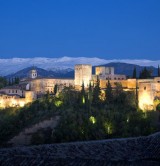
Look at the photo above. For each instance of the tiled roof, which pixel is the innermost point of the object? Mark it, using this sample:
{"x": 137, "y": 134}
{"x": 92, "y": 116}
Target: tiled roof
{"x": 127, "y": 151}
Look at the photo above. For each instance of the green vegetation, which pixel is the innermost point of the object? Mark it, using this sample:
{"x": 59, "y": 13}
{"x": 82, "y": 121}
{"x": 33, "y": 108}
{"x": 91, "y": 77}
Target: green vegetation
{"x": 14, "y": 120}
{"x": 11, "y": 81}
{"x": 145, "y": 73}
{"x": 116, "y": 116}
{"x": 134, "y": 73}
{"x": 3, "y": 82}
{"x": 84, "y": 115}
{"x": 158, "y": 71}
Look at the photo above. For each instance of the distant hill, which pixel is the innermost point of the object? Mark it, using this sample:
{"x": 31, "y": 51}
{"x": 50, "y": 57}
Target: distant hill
{"x": 120, "y": 68}
{"x": 64, "y": 73}
{"x": 127, "y": 69}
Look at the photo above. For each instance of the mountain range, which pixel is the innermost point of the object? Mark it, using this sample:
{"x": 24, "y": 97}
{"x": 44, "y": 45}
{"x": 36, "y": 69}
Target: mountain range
{"x": 13, "y": 65}
{"x": 120, "y": 68}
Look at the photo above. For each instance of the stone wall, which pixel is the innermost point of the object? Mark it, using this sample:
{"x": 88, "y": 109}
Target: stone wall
{"x": 14, "y": 101}
{"x": 43, "y": 85}
{"x": 128, "y": 151}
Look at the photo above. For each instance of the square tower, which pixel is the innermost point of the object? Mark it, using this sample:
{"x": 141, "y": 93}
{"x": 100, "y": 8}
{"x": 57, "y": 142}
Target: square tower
{"x": 102, "y": 70}
{"x": 83, "y": 74}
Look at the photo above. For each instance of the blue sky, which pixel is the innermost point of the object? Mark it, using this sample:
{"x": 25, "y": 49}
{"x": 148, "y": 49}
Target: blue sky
{"x": 110, "y": 29}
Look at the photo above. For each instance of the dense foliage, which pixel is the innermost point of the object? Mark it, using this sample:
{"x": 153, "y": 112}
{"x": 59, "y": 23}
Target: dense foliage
{"x": 84, "y": 115}
{"x": 145, "y": 73}
{"x": 116, "y": 115}
{"x": 14, "y": 120}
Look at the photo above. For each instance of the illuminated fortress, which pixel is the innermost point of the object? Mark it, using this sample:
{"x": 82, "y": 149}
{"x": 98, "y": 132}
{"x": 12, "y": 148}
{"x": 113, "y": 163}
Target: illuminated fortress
{"x": 31, "y": 88}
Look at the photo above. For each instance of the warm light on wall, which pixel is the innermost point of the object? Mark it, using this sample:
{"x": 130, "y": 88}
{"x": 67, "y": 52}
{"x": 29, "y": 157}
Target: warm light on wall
{"x": 145, "y": 101}
{"x": 21, "y": 103}
{"x": 12, "y": 103}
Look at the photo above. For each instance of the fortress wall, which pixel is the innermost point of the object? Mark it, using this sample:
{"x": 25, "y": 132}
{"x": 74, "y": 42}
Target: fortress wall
{"x": 11, "y": 101}
{"x": 44, "y": 85}
{"x": 103, "y": 83}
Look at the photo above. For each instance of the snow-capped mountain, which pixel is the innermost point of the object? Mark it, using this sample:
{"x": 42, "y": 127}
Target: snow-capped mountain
{"x": 9, "y": 66}
{"x": 120, "y": 68}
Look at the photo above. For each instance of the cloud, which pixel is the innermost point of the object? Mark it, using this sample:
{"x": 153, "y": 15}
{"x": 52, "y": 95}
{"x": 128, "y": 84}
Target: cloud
{"x": 8, "y": 66}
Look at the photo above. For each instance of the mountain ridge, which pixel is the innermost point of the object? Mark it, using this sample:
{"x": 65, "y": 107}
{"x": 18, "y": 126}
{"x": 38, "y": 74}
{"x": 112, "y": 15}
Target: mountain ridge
{"x": 13, "y": 65}
{"x": 120, "y": 68}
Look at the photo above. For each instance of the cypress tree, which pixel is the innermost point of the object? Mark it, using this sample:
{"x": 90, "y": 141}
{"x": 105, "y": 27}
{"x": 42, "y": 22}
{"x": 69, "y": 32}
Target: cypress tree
{"x": 55, "y": 89}
{"x": 108, "y": 93}
{"x": 13, "y": 81}
{"x": 158, "y": 71}
{"x": 145, "y": 73}
{"x": 89, "y": 96}
{"x": 137, "y": 102}
{"x": 96, "y": 94}
{"x": 90, "y": 92}
{"x": 83, "y": 94}
{"x": 134, "y": 73}
{"x": 9, "y": 82}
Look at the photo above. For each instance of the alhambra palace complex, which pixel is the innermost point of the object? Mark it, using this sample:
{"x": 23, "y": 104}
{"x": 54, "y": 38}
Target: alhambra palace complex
{"x": 30, "y": 88}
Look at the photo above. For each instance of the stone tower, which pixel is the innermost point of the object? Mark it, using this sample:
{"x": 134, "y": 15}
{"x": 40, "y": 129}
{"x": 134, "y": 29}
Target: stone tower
{"x": 83, "y": 74}
{"x": 102, "y": 70}
{"x": 33, "y": 73}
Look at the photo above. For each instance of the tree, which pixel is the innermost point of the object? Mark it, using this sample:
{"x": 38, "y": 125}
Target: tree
{"x": 108, "y": 93}
{"x": 134, "y": 73}
{"x": 3, "y": 82}
{"x": 55, "y": 89}
{"x": 82, "y": 96}
{"x": 145, "y": 73}
{"x": 90, "y": 92}
{"x": 118, "y": 88}
{"x": 16, "y": 80}
{"x": 137, "y": 102}
{"x": 119, "y": 95}
{"x": 96, "y": 94}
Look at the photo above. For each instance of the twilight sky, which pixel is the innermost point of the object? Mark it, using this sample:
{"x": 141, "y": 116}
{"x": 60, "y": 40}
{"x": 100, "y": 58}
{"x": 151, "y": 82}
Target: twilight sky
{"x": 109, "y": 29}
